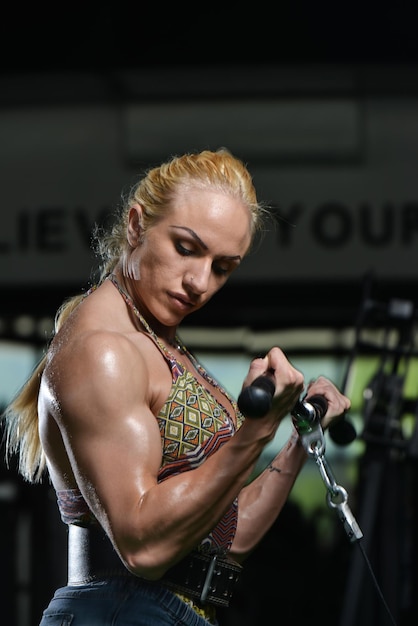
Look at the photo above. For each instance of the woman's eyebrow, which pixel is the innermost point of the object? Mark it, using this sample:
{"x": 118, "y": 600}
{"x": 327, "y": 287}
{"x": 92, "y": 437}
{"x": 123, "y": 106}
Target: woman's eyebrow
{"x": 195, "y": 236}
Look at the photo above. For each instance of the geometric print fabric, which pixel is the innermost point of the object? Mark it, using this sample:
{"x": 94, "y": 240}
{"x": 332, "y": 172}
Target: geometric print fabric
{"x": 189, "y": 418}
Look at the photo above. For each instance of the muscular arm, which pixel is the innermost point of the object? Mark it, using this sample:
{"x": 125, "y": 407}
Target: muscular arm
{"x": 262, "y": 500}
{"x": 102, "y": 401}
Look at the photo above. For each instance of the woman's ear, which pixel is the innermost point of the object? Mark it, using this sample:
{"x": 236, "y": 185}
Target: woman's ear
{"x": 134, "y": 233}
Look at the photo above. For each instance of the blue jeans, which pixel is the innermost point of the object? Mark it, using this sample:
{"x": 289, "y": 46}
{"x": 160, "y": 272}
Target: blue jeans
{"x": 119, "y": 601}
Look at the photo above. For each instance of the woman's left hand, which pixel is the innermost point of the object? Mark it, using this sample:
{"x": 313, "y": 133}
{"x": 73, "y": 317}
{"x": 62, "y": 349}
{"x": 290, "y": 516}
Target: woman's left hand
{"x": 338, "y": 403}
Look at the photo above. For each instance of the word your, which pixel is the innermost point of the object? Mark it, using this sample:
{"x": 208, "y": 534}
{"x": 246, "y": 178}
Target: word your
{"x": 333, "y": 224}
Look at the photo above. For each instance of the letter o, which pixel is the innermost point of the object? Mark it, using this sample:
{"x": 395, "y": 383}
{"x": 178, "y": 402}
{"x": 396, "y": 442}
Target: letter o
{"x": 332, "y": 225}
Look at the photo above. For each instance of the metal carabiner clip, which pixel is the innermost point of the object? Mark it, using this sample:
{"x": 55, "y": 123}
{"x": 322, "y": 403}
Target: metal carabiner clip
{"x": 313, "y": 441}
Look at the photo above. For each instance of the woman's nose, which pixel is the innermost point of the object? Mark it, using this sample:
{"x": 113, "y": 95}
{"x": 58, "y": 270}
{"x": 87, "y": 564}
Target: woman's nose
{"x": 197, "y": 279}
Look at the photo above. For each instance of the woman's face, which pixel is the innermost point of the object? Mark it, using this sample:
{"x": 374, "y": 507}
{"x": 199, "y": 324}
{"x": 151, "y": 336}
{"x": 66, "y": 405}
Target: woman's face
{"x": 188, "y": 255}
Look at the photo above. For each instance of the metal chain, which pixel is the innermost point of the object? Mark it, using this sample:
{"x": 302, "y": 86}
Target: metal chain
{"x": 337, "y": 497}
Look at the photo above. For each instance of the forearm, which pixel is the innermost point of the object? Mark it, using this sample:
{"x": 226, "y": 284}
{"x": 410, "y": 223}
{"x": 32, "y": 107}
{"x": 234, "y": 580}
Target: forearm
{"x": 261, "y": 501}
{"x": 175, "y": 515}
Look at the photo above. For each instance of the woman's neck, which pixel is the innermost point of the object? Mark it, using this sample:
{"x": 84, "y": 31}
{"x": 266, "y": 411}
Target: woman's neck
{"x": 147, "y": 321}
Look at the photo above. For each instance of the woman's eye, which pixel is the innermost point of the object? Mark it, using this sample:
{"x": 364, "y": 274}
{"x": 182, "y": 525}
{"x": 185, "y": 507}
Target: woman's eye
{"x": 182, "y": 250}
{"x": 220, "y": 270}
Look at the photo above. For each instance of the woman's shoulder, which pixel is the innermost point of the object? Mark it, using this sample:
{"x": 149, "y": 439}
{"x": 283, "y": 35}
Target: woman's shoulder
{"x": 81, "y": 346}
{"x": 93, "y": 367}
{"x": 98, "y": 345}
{"x": 95, "y": 335}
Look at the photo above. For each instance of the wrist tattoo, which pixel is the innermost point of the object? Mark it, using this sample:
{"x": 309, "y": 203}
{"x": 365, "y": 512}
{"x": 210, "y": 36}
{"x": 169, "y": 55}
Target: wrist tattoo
{"x": 271, "y": 468}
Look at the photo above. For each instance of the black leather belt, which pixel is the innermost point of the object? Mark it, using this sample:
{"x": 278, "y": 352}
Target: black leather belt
{"x": 206, "y": 578}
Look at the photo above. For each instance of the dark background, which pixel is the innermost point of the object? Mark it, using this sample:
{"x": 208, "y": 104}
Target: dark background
{"x": 108, "y": 36}
{"x": 105, "y": 39}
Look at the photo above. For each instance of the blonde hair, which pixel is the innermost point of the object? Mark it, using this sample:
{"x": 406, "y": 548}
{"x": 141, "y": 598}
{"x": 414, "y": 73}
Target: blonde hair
{"x": 218, "y": 170}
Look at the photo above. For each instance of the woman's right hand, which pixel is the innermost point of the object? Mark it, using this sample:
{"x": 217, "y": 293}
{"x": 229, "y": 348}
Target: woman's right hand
{"x": 287, "y": 380}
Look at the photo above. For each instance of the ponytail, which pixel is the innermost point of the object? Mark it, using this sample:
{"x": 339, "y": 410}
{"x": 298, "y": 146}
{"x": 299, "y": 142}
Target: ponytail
{"x": 20, "y": 418}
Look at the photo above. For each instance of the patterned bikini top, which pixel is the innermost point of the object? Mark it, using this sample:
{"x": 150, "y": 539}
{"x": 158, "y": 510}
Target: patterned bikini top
{"x": 192, "y": 424}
